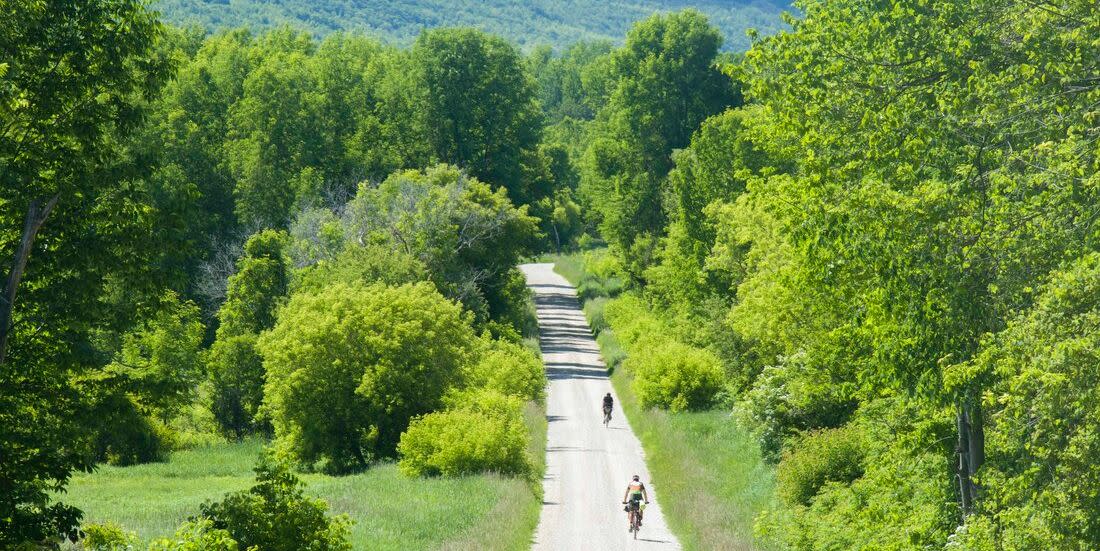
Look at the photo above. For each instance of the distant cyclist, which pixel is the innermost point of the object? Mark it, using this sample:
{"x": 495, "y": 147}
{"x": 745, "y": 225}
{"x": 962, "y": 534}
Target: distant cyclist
{"x": 634, "y": 497}
{"x": 608, "y": 403}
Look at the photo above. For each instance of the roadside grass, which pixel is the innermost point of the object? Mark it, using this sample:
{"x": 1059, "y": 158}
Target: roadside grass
{"x": 390, "y": 511}
{"x": 713, "y": 482}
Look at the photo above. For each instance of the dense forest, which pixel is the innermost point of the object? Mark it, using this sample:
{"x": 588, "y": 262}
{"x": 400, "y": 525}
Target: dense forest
{"x": 528, "y": 23}
{"x": 869, "y": 242}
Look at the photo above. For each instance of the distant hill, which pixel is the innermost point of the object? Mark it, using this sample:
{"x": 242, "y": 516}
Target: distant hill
{"x": 527, "y": 22}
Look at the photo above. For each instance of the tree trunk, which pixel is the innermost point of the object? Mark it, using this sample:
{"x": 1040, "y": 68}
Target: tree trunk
{"x": 971, "y": 452}
{"x": 37, "y": 212}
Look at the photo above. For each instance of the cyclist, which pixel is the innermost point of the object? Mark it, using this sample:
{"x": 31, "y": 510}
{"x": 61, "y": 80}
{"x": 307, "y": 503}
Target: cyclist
{"x": 635, "y": 494}
{"x": 608, "y": 403}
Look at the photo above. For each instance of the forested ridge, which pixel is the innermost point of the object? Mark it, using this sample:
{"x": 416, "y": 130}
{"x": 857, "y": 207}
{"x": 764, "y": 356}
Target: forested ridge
{"x": 868, "y": 242}
{"x": 529, "y": 23}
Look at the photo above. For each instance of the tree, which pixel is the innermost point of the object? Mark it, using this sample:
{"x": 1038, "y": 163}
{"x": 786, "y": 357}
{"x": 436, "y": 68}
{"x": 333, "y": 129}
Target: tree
{"x": 468, "y": 236}
{"x": 349, "y": 366}
{"x": 938, "y": 179}
{"x": 479, "y": 108}
{"x": 235, "y": 368}
{"x": 73, "y": 78}
{"x": 663, "y": 84}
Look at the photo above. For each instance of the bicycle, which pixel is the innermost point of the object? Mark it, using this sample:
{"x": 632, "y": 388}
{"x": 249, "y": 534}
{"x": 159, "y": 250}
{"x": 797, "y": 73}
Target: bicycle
{"x": 634, "y": 508}
{"x": 606, "y": 416}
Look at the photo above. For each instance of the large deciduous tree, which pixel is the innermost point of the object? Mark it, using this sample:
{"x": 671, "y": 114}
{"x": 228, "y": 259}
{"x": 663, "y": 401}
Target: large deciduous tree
{"x": 664, "y": 82}
{"x": 349, "y": 366}
{"x": 73, "y": 77}
{"x": 479, "y": 108}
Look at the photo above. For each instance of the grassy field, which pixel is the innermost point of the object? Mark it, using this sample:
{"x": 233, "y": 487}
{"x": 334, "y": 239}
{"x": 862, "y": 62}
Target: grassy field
{"x": 389, "y": 510}
{"x": 713, "y": 480}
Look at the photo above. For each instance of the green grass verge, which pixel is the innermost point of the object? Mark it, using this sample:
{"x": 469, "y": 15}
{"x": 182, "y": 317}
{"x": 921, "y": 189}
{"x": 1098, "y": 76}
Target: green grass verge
{"x": 390, "y": 511}
{"x": 713, "y": 481}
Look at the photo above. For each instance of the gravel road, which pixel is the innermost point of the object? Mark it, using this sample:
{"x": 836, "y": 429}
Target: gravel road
{"x": 587, "y": 465}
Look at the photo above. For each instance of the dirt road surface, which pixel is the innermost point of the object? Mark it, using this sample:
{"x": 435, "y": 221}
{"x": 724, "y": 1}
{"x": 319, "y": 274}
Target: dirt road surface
{"x": 587, "y": 465}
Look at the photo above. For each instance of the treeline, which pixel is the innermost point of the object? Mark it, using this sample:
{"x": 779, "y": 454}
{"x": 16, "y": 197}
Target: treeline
{"x": 316, "y": 242}
{"x": 528, "y": 23}
{"x": 887, "y": 255}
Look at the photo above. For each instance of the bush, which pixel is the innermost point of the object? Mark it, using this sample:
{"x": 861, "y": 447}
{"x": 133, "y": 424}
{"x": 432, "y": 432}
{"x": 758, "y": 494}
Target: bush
{"x": 611, "y": 349}
{"x": 509, "y": 303}
{"x": 349, "y": 366}
{"x": 797, "y": 395}
{"x": 107, "y": 536}
{"x": 673, "y": 375}
{"x": 482, "y": 432}
{"x": 198, "y": 535}
{"x": 510, "y": 369}
{"x": 828, "y": 455}
{"x": 594, "y": 311}
{"x": 632, "y": 320}
{"x": 126, "y": 436}
{"x": 368, "y": 264}
{"x": 237, "y": 383}
{"x": 275, "y": 515}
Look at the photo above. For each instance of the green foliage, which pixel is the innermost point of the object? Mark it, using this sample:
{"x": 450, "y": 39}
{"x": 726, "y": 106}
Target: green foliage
{"x": 624, "y": 168}
{"x": 480, "y": 431}
{"x": 235, "y": 368}
{"x": 107, "y": 536}
{"x": 478, "y": 107}
{"x": 258, "y": 286}
{"x": 197, "y": 535}
{"x": 1042, "y": 421}
{"x": 159, "y": 363}
{"x": 127, "y": 435}
{"x": 508, "y": 368}
{"x": 350, "y": 365}
{"x": 275, "y": 514}
{"x": 564, "y": 90}
{"x": 354, "y": 264}
{"x": 818, "y": 458}
{"x": 468, "y": 236}
{"x": 673, "y": 376}
{"x": 667, "y": 374}
{"x": 75, "y": 80}
{"x": 594, "y": 312}
{"x": 236, "y": 374}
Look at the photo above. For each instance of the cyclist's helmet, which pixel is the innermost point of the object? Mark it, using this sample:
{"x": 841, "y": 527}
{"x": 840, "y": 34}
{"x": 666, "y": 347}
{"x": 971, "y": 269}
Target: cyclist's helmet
{"x": 636, "y": 477}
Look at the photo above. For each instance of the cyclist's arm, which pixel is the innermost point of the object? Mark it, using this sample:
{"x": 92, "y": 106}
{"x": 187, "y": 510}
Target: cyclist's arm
{"x": 645, "y": 494}
{"x": 626, "y": 493}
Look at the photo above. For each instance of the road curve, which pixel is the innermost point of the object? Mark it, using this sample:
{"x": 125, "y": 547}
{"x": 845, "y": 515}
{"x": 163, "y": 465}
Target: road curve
{"x": 587, "y": 465}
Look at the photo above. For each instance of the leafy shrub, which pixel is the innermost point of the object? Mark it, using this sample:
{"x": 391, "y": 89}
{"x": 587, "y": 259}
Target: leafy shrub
{"x": 632, "y": 320}
{"x": 508, "y": 368}
{"x": 482, "y": 432}
{"x": 611, "y": 349}
{"x": 509, "y": 303}
{"x": 128, "y": 437}
{"x": 275, "y": 515}
{"x": 349, "y": 366}
{"x": 594, "y": 311}
{"x": 602, "y": 264}
{"x": 197, "y": 535}
{"x": 827, "y": 455}
{"x": 674, "y": 376}
{"x": 236, "y": 374}
{"x": 107, "y": 536}
{"x": 797, "y": 395}
{"x": 368, "y": 264}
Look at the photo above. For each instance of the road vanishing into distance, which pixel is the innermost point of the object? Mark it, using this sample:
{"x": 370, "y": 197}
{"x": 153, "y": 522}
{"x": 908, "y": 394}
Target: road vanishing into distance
{"x": 587, "y": 465}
